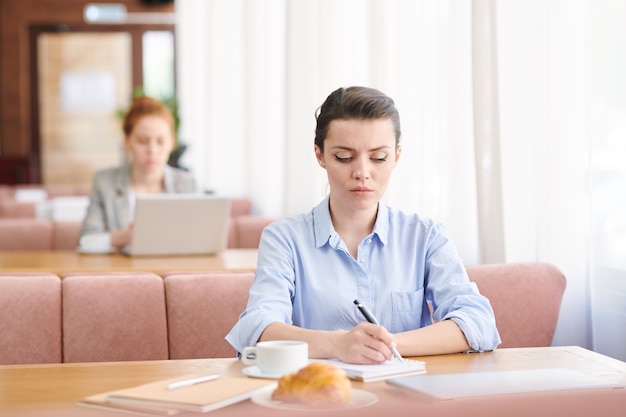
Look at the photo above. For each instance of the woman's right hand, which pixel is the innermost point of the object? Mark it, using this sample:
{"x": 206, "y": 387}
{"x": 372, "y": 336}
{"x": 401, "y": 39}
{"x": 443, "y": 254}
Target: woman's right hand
{"x": 366, "y": 343}
{"x": 121, "y": 238}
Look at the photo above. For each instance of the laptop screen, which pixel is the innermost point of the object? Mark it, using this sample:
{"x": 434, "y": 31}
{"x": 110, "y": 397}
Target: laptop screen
{"x": 180, "y": 224}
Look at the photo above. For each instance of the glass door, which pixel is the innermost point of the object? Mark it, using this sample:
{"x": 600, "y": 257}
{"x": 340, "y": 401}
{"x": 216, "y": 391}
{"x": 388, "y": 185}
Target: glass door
{"x": 83, "y": 81}
{"x": 84, "y": 78}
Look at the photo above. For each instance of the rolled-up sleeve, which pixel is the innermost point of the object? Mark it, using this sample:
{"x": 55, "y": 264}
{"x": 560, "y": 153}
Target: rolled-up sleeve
{"x": 454, "y": 297}
{"x": 271, "y": 294}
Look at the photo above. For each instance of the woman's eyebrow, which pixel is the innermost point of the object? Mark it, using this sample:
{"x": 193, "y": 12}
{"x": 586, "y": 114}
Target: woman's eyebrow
{"x": 347, "y": 148}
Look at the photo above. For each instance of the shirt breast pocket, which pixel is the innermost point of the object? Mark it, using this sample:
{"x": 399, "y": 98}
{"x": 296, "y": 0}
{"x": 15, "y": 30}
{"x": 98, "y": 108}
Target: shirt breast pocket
{"x": 406, "y": 310}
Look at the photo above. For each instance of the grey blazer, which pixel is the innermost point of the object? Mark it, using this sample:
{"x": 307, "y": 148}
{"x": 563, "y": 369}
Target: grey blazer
{"x": 109, "y": 202}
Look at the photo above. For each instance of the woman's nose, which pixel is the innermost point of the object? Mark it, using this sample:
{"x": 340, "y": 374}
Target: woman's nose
{"x": 153, "y": 147}
{"x": 361, "y": 169}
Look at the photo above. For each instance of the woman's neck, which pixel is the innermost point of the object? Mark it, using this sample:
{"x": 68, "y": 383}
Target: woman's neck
{"x": 147, "y": 182}
{"x": 352, "y": 225}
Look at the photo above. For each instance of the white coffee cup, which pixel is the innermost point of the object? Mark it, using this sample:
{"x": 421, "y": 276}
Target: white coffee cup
{"x": 277, "y": 357}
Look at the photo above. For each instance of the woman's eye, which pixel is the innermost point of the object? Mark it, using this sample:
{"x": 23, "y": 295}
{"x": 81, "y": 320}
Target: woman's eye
{"x": 381, "y": 158}
{"x": 343, "y": 158}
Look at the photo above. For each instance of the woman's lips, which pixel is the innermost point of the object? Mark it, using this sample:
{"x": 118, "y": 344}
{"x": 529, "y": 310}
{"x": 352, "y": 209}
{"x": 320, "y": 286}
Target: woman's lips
{"x": 361, "y": 191}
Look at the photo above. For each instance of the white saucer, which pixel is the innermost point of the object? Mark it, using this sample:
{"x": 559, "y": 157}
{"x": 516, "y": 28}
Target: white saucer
{"x": 255, "y": 372}
{"x": 358, "y": 398}
{"x": 94, "y": 251}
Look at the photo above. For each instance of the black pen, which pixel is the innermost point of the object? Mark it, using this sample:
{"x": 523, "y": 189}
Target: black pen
{"x": 370, "y": 318}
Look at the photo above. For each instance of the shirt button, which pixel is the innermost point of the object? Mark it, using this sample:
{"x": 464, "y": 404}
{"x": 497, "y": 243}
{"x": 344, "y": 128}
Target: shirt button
{"x": 369, "y": 240}
{"x": 362, "y": 259}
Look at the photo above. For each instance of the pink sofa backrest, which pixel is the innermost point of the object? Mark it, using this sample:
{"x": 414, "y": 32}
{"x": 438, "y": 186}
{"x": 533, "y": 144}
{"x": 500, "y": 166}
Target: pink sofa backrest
{"x": 65, "y": 236}
{"x": 114, "y": 317}
{"x": 6, "y": 191}
{"x": 25, "y": 234}
{"x": 11, "y": 209}
{"x": 240, "y": 206}
{"x": 67, "y": 190}
{"x": 245, "y": 231}
{"x": 526, "y": 299}
{"x": 201, "y": 310}
{"x": 30, "y": 318}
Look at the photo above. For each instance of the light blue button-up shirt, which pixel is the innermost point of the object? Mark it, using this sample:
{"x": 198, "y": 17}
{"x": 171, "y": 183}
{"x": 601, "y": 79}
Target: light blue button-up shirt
{"x": 305, "y": 276}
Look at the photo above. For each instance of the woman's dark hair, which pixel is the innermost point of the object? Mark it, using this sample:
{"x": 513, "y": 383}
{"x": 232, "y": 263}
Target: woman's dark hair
{"x": 361, "y": 103}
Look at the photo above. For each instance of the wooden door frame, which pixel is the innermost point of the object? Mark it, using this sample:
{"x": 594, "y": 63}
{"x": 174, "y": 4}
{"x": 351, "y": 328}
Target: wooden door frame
{"x": 136, "y": 32}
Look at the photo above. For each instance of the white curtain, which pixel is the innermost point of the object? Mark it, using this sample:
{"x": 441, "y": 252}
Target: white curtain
{"x": 504, "y": 83}
{"x": 252, "y": 73}
{"x": 542, "y": 78}
{"x": 562, "y": 115}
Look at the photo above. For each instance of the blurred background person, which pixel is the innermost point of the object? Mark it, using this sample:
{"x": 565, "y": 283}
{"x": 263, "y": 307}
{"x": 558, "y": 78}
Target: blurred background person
{"x": 149, "y": 138}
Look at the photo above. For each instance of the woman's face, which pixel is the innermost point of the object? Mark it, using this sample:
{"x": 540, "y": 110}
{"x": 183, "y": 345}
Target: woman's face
{"x": 150, "y": 143}
{"x": 359, "y": 156}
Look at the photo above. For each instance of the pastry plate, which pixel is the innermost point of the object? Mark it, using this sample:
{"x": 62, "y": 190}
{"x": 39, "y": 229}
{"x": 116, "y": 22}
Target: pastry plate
{"x": 255, "y": 372}
{"x": 358, "y": 398}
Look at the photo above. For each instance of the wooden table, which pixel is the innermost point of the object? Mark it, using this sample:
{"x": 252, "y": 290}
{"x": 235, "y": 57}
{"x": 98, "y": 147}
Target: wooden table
{"x": 59, "y": 262}
{"x": 52, "y": 390}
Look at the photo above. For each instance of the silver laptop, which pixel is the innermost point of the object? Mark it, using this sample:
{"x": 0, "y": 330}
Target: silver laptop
{"x": 180, "y": 224}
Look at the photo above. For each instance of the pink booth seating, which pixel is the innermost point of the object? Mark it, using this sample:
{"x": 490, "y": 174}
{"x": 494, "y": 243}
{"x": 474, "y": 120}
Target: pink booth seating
{"x": 201, "y": 310}
{"x": 526, "y": 299}
{"x": 11, "y": 209}
{"x": 6, "y": 191}
{"x": 25, "y": 234}
{"x": 65, "y": 236}
{"x": 30, "y": 318}
{"x": 240, "y": 206}
{"x": 67, "y": 190}
{"x": 117, "y": 316}
{"x": 114, "y": 317}
{"x": 245, "y": 231}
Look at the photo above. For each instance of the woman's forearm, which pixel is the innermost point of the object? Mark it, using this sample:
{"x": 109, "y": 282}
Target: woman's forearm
{"x": 439, "y": 338}
{"x": 321, "y": 343}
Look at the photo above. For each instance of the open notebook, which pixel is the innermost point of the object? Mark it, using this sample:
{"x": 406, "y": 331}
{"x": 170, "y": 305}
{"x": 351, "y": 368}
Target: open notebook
{"x": 381, "y": 371}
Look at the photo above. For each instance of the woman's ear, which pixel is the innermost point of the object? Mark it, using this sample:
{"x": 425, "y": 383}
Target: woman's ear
{"x": 398, "y": 152}
{"x": 127, "y": 143}
{"x": 319, "y": 156}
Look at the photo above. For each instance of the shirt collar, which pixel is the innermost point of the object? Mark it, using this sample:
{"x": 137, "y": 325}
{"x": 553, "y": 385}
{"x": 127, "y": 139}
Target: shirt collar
{"x": 325, "y": 232}
{"x": 123, "y": 183}
{"x": 381, "y": 227}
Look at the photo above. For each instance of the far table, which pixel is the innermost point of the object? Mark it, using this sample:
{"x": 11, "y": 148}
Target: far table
{"x": 60, "y": 262}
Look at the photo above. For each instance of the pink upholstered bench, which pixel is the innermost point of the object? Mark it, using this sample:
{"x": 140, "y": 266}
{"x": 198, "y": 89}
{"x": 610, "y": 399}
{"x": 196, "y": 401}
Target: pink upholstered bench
{"x": 25, "y": 234}
{"x": 11, "y": 209}
{"x": 118, "y": 316}
{"x": 201, "y": 310}
{"x": 30, "y": 318}
{"x": 114, "y": 317}
{"x": 245, "y": 231}
{"x": 65, "y": 235}
{"x": 526, "y": 299}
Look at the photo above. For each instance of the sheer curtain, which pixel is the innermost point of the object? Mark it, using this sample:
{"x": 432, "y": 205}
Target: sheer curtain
{"x": 543, "y": 119}
{"x": 507, "y": 84}
{"x": 562, "y": 111}
{"x": 252, "y": 73}
{"x": 607, "y": 130}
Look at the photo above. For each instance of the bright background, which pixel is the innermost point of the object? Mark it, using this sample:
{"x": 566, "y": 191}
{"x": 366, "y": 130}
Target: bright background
{"x": 513, "y": 116}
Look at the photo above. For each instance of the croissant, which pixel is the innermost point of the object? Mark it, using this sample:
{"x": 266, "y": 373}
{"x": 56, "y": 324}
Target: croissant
{"x": 317, "y": 384}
